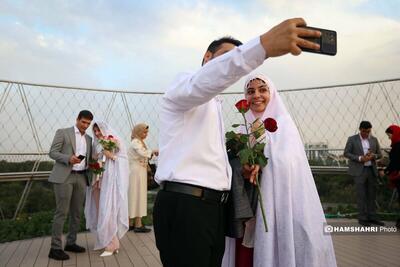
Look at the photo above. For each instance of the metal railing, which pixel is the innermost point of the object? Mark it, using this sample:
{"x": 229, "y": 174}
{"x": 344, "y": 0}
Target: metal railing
{"x": 325, "y": 116}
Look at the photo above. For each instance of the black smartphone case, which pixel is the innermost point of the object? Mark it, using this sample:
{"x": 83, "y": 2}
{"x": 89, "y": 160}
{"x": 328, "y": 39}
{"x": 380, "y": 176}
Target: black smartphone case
{"x": 327, "y": 42}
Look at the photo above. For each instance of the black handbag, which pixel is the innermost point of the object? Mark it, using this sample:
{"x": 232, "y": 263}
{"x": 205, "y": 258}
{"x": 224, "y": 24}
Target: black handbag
{"x": 151, "y": 171}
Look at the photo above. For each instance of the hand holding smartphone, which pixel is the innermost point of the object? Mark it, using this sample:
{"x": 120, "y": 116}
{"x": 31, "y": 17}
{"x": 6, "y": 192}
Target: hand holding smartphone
{"x": 327, "y": 42}
{"x": 81, "y": 157}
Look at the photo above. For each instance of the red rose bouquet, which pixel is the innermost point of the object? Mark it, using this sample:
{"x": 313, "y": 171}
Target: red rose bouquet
{"x": 96, "y": 167}
{"x": 249, "y": 146}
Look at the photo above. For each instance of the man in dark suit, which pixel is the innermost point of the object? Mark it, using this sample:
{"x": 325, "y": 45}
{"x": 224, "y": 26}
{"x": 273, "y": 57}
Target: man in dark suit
{"x": 71, "y": 149}
{"x": 362, "y": 150}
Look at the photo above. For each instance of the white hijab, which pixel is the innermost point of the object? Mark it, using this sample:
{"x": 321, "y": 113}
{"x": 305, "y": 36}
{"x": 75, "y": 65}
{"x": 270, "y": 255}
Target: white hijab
{"x": 113, "y": 204}
{"x": 293, "y": 209}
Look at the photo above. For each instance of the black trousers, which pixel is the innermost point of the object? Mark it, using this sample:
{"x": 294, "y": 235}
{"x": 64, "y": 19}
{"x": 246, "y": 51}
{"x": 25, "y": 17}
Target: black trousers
{"x": 189, "y": 231}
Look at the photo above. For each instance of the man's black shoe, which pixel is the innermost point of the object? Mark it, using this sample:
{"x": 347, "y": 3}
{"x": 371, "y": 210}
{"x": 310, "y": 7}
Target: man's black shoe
{"x": 58, "y": 254}
{"x": 142, "y": 229}
{"x": 380, "y": 223}
{"x": 364, "y": 222}
{"x": 74, "y": 248}
{"x": 131, "y": 228}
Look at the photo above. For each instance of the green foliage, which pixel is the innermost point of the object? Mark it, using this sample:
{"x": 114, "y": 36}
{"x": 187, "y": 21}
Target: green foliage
{"x": 338, "y": 194}
{"x": 34, "y": 225}
{"x": 237, "y": 146}
{"x": 25, "y": 166}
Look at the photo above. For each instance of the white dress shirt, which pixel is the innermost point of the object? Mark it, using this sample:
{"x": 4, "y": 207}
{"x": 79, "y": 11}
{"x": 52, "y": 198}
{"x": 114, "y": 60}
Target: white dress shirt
{"x": 192, "y": 136}
{"x": 80, "y": 149}
{"x": 366, "y": 147}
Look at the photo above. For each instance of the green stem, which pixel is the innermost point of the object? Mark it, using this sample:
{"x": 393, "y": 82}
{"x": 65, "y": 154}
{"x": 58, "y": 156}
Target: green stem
{"x": 260, "y": 199}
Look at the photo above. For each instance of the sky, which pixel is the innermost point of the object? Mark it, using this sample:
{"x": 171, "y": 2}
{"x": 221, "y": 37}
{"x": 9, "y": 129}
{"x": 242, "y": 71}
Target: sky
{"x": 142, "y": 45}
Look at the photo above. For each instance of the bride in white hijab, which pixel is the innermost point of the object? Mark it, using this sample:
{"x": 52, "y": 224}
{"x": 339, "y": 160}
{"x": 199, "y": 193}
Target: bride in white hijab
{"x": 106, "y": 208}
{"x": 293, "y": 209}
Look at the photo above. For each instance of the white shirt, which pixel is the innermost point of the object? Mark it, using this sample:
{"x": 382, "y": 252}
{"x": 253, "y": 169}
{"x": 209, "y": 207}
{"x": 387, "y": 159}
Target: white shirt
{"x": 192, "y": 136}
{"x": 80, "y": 149}
{"x": 366, "y": 147}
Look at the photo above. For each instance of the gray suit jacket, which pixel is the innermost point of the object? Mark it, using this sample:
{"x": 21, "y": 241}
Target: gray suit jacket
{"x": 354, "y": 150}
{"x": 242, "y": 201}
{"x": 62, "y": 148}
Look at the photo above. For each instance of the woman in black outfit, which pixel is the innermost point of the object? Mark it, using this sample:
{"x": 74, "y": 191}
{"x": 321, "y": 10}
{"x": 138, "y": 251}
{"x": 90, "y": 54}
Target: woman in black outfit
{"x": 393, "y": 169}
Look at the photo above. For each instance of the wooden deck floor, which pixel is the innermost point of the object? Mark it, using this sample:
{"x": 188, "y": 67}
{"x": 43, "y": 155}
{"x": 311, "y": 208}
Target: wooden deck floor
{"x": 139, "y": 250}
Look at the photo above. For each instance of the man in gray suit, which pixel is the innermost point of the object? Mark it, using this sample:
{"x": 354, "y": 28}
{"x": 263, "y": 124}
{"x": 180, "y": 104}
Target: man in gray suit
{"x": 71, "y": 149}
{"x": 362, "y": 150}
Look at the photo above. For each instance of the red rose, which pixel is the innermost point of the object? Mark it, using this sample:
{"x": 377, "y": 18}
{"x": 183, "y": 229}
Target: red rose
{"x": 270, "y": 125}
{"x": 243, "y": 106}
{"x": 95, "y": 165}
{"x": 110, "y": 137}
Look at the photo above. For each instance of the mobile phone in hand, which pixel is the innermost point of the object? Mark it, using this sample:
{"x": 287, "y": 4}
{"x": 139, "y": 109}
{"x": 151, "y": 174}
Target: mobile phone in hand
{"x": 327, "y": 42}
{"x": 81, "y": 157}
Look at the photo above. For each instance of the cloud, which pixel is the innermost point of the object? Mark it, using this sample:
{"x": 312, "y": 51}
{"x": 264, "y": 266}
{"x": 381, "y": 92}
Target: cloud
{"x": 143, "y": 45}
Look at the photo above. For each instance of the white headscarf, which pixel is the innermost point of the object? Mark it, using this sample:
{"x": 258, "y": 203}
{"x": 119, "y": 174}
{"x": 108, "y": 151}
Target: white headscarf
{"x": 113, "y": 205}
{"x": 293, "y": 208}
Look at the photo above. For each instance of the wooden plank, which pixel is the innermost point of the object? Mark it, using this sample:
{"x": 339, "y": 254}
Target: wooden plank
{"x": 82, "y": 259}
{"x": 132, "y": 251}
{"x": 19, "y": 253}
{"x": 139, "y": 245}
{"x": 43, "y": 256}
{"x": 54, "y": 263}
{"x": 72, "y": 259}
{"x": 8, "y": 252}
{"x": 32, "y": 253}
{"x": 3, "y": 246}
{"x": 151, "y": 246}
{"x": 94, "y": 255}
{"x": 110, "y": 261}
{"x": 361, "y": 252}
{"x": 144, "y": 251}
{"x": 377, "y": 245}
{"x": 123, "y": 258}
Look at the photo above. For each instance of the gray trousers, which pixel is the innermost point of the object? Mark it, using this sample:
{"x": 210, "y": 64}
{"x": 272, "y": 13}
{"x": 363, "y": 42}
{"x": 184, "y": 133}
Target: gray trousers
{"x": 70, "y": 197}
{"x": 366, "y": 194}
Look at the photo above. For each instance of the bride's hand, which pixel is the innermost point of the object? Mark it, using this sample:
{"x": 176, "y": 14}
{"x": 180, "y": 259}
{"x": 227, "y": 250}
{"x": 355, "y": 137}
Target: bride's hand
{"x": 109, "y": 155}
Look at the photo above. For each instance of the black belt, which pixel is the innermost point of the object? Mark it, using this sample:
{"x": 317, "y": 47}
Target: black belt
{"x": 196, "y": 191}
{"x": 370, "y": 166}
{"x": 78, "y": 172}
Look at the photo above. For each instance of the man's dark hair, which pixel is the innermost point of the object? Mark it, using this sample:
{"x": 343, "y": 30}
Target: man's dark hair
{"x": 365, "y": 125}
{"x": 216, "y": 44}
{"x": 389, "y": 130}
{"x": 85, "y": 114}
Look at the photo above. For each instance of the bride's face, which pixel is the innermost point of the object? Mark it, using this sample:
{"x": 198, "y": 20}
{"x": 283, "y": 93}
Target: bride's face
{"x": 258, "y": 95}
{"x": 97, "y": 132}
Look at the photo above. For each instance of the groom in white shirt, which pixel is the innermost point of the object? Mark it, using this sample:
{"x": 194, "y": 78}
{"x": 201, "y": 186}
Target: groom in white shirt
{"x": 193, "y": 169}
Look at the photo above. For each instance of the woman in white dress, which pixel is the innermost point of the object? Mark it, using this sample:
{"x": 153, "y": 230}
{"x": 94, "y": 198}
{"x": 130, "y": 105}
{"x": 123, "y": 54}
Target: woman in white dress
{"x": 138, "y": 155}
{"x": 293, "y": 209}
{"x": 106, "y": 208}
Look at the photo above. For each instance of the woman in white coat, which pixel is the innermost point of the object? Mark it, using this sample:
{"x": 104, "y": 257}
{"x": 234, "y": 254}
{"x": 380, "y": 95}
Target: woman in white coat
{"x": 138, "y": 155}
{"x": 294, "y": 214}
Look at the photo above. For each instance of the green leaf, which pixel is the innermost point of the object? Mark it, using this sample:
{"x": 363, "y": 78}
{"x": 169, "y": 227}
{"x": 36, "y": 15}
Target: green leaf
{"x": 244, "y": 138}
{"x": 259, "y": 147}
{"x": 262, "y": 160}
{"x": 245, "y": 155}
{"x": 235, "y": 125}
{"x": 230, "y": 135}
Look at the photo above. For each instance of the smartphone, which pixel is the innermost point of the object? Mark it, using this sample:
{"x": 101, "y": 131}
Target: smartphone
{"x": 327, "y": 42}
{"x": 81, "y": 157}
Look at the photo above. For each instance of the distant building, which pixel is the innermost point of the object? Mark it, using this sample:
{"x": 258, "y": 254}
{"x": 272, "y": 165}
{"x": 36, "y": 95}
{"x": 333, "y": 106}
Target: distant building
{"x": 319, "y": 154}
{"x": 316, "y": 151}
